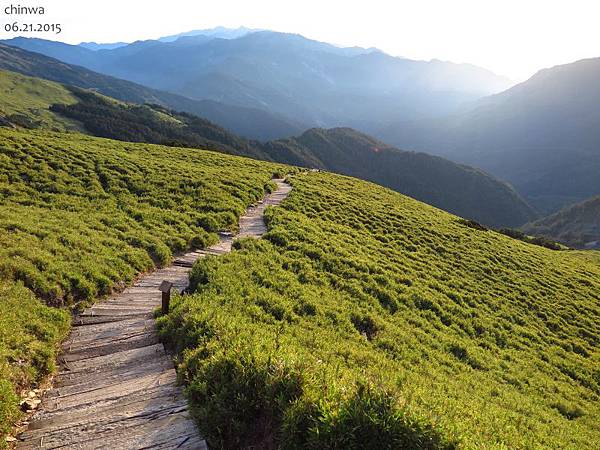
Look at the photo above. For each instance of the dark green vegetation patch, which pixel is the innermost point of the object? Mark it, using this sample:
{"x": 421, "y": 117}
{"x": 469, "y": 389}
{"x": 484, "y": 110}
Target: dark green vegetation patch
{"x": 366, "y": 319}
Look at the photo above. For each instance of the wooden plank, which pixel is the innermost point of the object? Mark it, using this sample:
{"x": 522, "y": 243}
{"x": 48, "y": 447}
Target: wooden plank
{"x": 132, "y": 402}
{"x": 109, "y": 362}
{"x": 163, "y": 429}
{"x": 85, "y": 383}
{"x": 137, "y": 340}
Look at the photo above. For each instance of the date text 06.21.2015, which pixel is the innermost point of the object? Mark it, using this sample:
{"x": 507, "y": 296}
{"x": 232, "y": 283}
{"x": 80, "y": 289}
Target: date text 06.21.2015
{"x": 19, "y": 27}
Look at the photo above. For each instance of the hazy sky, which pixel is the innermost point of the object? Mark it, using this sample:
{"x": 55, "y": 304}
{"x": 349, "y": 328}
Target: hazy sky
{"x": 510, "y": 37}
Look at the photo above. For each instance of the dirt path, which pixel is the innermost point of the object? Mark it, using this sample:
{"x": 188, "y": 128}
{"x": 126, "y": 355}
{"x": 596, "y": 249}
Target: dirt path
{"x": 116, "y": 387}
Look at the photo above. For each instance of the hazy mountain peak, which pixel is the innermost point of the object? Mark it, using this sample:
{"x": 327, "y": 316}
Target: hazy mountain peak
{"x": 541, "y": 135}
{"x": 217, "y": 32}
{"x": 100, "y": 46}
{"x": 300, "y": 79}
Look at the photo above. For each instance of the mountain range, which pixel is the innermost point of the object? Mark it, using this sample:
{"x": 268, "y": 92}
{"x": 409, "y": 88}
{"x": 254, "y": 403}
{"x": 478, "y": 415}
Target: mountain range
{"x": 576, "y": 226}
{"x": 299, "y": 79}
{"x": 541, "y": 135}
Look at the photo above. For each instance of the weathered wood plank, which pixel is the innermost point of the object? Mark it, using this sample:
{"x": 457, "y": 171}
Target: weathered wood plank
{"x": 127, "y": 342}
{"x": 110, "y": 362}
{"x": 136, "y": 401}
{"x": 168, "y": 427}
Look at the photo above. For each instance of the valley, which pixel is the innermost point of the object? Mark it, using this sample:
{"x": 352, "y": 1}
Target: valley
{"x": 541, "y": 135}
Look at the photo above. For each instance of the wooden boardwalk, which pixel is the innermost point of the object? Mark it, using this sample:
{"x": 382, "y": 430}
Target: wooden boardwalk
{"x": 116, "y": 387}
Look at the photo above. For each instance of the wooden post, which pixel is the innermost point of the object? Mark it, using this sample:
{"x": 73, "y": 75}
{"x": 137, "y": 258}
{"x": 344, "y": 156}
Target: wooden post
{"x": 166, "y": 300}
{"x": 165, "y": 288}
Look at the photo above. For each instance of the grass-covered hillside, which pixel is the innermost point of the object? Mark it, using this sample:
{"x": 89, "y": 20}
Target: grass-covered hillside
{"x": 365, "y": 319}
{"x": 25, "y": 101}
{"x": 80, "y": 216}
{"x": 576, "y": 225}
{"x": 462, "y": 190}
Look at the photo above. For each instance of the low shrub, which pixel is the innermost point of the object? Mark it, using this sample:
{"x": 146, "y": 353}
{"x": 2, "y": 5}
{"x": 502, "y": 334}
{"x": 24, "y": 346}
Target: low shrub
{"x": 569, "y": 411}
{"x": 473, "y": 224}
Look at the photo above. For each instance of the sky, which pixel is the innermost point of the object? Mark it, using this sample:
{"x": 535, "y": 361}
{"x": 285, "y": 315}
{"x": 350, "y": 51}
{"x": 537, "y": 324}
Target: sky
{"x": 511, "y": 38}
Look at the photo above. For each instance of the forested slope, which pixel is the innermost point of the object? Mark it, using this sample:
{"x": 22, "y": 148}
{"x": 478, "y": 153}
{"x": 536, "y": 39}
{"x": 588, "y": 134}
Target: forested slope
{"x": 577, "y": 225}
{"x": 460, "y": 189}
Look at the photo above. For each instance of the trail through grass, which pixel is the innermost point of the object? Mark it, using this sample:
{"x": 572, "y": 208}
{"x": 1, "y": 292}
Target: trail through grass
{"x": 81, "y": 216}
{"x": 366, "y": 319}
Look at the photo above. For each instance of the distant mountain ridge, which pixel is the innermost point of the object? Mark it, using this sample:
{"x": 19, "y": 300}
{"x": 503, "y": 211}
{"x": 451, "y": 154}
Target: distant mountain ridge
{"x": 576, "y": 226}
{"x": 97, "y": 46}
{"x": 463, "y": 190}
{"x": 289, "y": 75}
{"x": 541, "y": 135}
{"x": 217, "y": 32}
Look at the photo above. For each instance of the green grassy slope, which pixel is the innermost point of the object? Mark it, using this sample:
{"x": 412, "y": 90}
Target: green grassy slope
{"x": 459, "y": 189}
{"x": 81, "y": 215}
{"x": 366, "y": 319}
{"x": 462, "y": 190}
{"x": 25, "y": 101}
{"x": 577, "y": 225}
{"x": 29, "y": 335}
